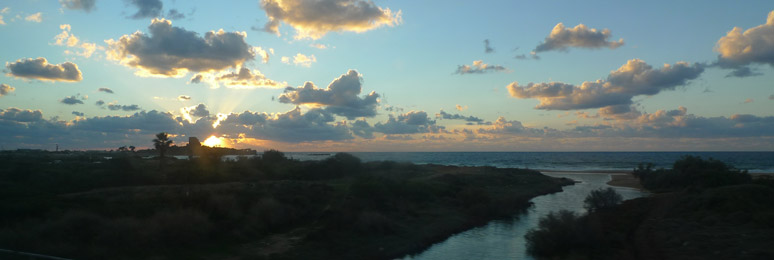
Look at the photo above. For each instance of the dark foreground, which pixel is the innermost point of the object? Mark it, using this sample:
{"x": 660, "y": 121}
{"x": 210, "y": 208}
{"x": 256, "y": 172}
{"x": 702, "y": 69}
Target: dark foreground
{"x": 268, "y": 207}
{"x": 701, "y": 209}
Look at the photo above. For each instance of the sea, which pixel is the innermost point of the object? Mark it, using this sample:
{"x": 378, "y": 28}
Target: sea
{"x": 754, "y": 162}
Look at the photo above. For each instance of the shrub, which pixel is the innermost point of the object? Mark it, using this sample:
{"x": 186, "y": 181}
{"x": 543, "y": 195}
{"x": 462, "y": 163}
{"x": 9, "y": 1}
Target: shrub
{"x": 601, "y": 199}
{"x": 559, "y": 234}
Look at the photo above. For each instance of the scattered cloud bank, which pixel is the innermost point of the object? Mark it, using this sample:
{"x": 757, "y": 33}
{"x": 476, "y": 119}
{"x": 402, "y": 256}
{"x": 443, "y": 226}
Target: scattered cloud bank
{"x": 35, "y": 18}
{"x": 632, "y": 79}
{"x": 6, "y": 89}
{"x": 244, "y": 79}
{"x": 478, "y": 67}
{"x": 580, "y": 36}
{"x": 340, "y": 97}
{"x": 313, "y": 19}
{"x": 741, "y": 48}
{"x": 169, "y": 51}
{"x": 66, "y": 38}
{"x": 83, "y": 5}
{"x": 487, "y": 47}
{"x": 40, "y": 69}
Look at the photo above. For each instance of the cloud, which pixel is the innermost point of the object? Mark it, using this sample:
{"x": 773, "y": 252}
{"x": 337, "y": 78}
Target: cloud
{"x": 36, "y": 17}
{"x": 303, "y": 60}
{"x": 172, "y": 51}
{"x": 771, "y": 97}
{"x": 3, "y": 11}
{"x": 619, "y": 112}
{"x": 502, "y": 126}
{"x": 5, "y": 89}
{"x": 99, "y": 103}
{"x": 106, "y": 90}
{"x": 114, "y": 107}
{"x": 183, "y": 98}
{"x": 314, "y": 18}
{"x": 20, "y": 115}
{"x": 199, "y": 110}
{"x": 748, "y": 101}
{"x": 71, "y": 100}
{"x": 146, "y": 8}
{"x": 66, "y": 38}
{"x": 412, "y": 122}
{"x": 743, "y": 72}
{"x": 460, "y": 108}
{"x": 244, "y": 79}
{"x": 84, "y": 5}
{"x": 175, "y": 15}
{"x": 487, "y": 48}
{"x": 77, "y": 113}
{"x": 40, "y": 69}
{"x": 632, "y": 79}
{"x": 293, "y": 127}
{"x": 469, "y": 119}
{"x": 478, "y": 67}
{"x": 362, "y": 128}
{"x": 318, "y": 46}
{"x": 340, "y": 97}
{"x": 562, "y": 38}
{"x": 740, "y": 48}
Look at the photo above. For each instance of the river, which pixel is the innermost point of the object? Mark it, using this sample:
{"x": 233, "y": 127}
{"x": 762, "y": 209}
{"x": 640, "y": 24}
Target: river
{"x": 504, "y": 239}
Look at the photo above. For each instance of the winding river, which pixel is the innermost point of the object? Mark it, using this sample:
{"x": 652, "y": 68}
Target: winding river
{"x": 504, "y": 239}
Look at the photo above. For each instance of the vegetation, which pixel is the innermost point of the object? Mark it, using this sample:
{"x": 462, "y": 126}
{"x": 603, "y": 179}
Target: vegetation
{"x": 162, "y": 143}
{"x": 703, "y": 209}
{"x": 83, "y": 206}
{"x": 602, "y": 199}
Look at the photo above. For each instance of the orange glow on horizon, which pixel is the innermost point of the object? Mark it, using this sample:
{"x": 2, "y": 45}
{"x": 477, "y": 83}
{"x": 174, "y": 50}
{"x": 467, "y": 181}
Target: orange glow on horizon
{"x": 213, "y": 141}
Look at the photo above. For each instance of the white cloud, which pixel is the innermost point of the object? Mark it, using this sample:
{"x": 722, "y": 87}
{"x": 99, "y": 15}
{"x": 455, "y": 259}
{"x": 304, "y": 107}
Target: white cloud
{"x": 36, "y": 17}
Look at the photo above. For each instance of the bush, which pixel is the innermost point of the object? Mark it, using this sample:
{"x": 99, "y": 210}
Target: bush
{"x": 691, "y": 172}
{"x": 560, "y": 234}
{"x": 601, "y": 199}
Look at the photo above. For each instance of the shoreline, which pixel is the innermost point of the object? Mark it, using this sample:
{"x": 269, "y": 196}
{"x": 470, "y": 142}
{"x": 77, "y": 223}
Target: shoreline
{"x": 617, "y": 178}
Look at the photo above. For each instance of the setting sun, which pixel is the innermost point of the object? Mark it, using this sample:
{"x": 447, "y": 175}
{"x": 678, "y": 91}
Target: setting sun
{"x": 213, "y": 141}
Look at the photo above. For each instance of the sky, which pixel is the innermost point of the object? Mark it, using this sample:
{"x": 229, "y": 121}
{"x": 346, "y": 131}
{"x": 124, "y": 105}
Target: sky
{"x": 355, "y": 75}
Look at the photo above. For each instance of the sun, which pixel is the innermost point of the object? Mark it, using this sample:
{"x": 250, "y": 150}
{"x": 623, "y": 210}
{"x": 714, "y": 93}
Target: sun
{"x": 213, "y": 141}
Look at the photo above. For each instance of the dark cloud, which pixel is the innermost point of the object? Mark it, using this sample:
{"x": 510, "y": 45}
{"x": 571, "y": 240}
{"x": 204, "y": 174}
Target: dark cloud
{"x": 146, "y": 8}
{"x": 115, "y": 107}
{"x": 740, "y": 48}
{"x": 743, "y": 72}
{"x": 175, "y": 15}
{"x": 5, "y": 89}
{"x": 20, "y": 115}
{"x": 314, "y": 18}
{"x": 99, "y": 103}
{"x": 85, "y": 5}
{"x": 470, "y": 119}
{"x": 580, "y": 36}
{"x": 409, "y": 123}
{"x": 244, "y": 79}
{"x": 40, "y": 69}
{"x": 183, "y": 97}
{"x": 487, "y": 48}
{"x": 71, "y": 100}
{"x": 632, "y": 79}
{"x": 619, "y": 112}
{"x": 106, "y": 90}
{"x": 340, "y": 97}
{"x": 77, "y": 113}
{"x": 173, "y": 51}
{"x": 478, "y": 67}
{"x": 294, "y": 127}
{"x": 198, "y": 111}
{"x": 362, "y": 128}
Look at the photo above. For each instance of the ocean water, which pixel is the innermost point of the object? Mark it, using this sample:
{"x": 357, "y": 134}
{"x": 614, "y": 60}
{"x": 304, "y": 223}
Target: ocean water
{"x": 757, "y": 162}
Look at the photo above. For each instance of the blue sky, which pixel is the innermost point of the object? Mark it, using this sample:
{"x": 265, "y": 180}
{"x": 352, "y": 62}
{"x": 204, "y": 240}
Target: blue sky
{"x": 409, "y": 53}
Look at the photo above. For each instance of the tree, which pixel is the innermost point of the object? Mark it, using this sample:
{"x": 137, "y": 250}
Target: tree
{"x": 601, "y": 199}
{"x": 162, "y": 143}
{"x": 131, "y": 148}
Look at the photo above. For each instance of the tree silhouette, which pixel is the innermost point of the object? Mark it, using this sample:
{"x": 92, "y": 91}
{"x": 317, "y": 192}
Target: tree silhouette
{"x": 162, "y": 143}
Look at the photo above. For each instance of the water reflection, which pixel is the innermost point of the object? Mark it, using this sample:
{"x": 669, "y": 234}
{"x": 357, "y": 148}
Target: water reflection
{"x": 504, "y": 239}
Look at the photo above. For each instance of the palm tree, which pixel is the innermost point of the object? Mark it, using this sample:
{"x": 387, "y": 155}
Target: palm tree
{"x": 162, "y": 143}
